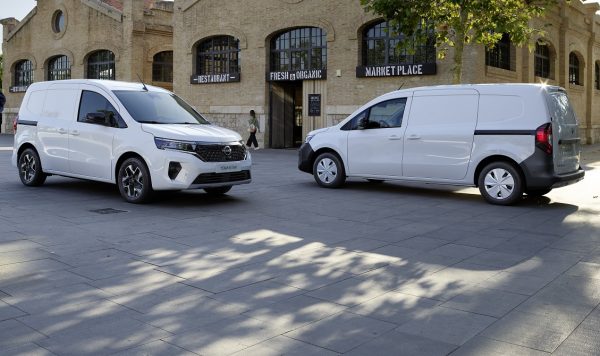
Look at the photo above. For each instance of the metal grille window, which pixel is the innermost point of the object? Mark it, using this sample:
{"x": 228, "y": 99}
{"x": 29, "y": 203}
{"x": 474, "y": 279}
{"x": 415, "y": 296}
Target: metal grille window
{"x": 574, "y": 69}
{"x": 499, "y": 56}
{"x": 380, "y": 47}
{"x": 59, "y": 68}
{"x": 101, "y": 65}
{"x": 218, "y": 55}
{"x": 542, "y": 60}
{"x": 299, "y": 49}
{"x": 23, "y": 73}
{"x": 162, "y": 67}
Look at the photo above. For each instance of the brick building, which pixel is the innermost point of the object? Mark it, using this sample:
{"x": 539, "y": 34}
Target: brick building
{"x": 300, "y": 64}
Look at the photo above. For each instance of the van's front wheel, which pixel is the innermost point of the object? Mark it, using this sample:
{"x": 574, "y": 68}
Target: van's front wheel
{"x": 500, "y": 183}
{"x": 134, "y": 181}
{"x": 328, "y": 171}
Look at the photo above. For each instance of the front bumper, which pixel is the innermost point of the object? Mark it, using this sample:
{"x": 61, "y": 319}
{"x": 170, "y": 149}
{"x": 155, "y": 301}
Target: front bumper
{"x": 305, "y": 158}
{"x": 197, "y": 174}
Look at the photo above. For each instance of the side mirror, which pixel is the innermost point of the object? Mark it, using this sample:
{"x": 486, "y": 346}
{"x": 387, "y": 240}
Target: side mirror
{"x": 363, "y": 123}
{"x": 98, "y": 118}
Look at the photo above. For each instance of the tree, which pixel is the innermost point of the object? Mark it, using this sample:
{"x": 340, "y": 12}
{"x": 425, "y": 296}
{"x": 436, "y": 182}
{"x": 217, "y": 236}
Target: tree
{"x": 461, "y": 22}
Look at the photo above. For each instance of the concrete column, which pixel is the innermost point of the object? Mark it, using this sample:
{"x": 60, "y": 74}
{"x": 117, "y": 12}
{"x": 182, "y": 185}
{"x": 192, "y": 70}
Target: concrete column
{"x": 131, "y": 61}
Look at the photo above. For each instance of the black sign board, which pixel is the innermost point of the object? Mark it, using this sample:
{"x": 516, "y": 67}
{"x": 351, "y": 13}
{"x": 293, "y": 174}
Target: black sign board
{"x": 314, "y": 104}
{"x": 215, "y": 78}
{"x": 297, "y": 75}
{"x": 399, "y": 70}
{"x": 20, "y": 89}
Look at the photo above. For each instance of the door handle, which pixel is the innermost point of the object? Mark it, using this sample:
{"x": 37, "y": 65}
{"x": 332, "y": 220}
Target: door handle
{"x": 394, "y": 138}
{"x": 414, "y": 137}
{"x": 62, "y": 131}
{"x": 75, "y": 133}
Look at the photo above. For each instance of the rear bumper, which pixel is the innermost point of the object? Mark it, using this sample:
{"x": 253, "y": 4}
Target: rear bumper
{"x": 539, "y": 173}
{"x": 305, "y": 158}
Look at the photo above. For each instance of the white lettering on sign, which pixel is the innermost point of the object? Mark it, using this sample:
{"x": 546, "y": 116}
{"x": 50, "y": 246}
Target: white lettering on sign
{"x": 395, "y": 70}
{"x": 297, "y": 75}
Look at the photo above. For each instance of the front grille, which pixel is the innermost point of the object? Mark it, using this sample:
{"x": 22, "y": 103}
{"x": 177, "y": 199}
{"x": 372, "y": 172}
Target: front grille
{"x": 212, "y": 178}
{"x": 217, "y": 153}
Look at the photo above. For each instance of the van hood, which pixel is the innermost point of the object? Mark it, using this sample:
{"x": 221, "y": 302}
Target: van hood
{"x": 203, "y": 133}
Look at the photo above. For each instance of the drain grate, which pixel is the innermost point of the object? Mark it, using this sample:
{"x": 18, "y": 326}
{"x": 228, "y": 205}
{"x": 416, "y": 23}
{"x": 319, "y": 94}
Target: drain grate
{"x": 108, "y": 211}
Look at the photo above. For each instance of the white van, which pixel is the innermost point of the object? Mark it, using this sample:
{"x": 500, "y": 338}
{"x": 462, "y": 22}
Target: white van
{"x": 506, "y": 139}
{"x": 141, "y": 137}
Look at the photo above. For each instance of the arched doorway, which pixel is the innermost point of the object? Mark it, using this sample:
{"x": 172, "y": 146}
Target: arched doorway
{"x": 296, "y": 56}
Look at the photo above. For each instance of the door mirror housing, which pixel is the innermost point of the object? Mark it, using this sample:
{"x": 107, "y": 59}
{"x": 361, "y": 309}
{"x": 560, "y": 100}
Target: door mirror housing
{"x": 363, "y": 123}
{"x": 98, "y": 118}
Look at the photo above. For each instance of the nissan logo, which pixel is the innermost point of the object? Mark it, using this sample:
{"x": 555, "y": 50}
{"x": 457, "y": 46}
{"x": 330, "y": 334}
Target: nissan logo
{"x": 227, "y": 150}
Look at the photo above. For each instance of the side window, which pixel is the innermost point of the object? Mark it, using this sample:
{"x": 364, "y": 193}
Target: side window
{"x": 92, "y": 102}
{"x": 353, "y": 124}
{"x": 387, "y": 114}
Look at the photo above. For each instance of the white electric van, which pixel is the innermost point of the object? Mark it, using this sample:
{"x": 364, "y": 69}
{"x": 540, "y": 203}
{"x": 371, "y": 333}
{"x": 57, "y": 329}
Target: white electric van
{"x": 506, "y": 139}
{"x": 142, "y": 138}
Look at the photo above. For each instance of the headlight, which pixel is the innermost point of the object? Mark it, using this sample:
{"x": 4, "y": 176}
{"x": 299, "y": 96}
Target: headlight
{"x": 308, "y": 138}
{"x": 165, "y": 144}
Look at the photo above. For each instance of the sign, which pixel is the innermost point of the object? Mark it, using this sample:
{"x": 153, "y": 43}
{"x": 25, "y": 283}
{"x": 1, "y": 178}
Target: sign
{"x": 297, "y": 75}
{"x": 215, "y": 78}
{"x": 314, "y": 104}
{"x": 20, "y": 89}
{"x": 400, "y": 70}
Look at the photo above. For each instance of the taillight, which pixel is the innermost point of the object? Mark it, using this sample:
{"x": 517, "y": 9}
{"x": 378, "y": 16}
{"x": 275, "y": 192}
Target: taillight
{"x": 15, "y": 124}
{"x": 543, "y": 138}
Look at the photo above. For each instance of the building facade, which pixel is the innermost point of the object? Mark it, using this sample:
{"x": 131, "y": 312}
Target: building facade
{"x": 299, "y": 64}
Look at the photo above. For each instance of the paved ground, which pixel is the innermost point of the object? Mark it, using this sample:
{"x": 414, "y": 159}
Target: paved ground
{"x": 284, "y": 267}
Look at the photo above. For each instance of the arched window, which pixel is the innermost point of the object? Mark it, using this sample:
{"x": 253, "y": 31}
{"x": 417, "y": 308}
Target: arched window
{"x": 162, "y": 67}
{"x": 299, "y": 49}
{"x": 23, "y": 73}
{"x": 542, "y": 60}
{"x": 59, "y": 68}
{"x": 597, "y": 76}
{"x": 101, "y": 65}
{"x": 499, "y": 55}
{"x": 380, "y": 47}
{"x": 218, "y": 55}
{"x": 574, "y": 69}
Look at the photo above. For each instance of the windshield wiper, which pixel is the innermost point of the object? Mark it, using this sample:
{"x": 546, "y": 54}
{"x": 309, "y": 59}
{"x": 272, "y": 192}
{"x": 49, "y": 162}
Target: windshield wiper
{"x": 149, "y": 122}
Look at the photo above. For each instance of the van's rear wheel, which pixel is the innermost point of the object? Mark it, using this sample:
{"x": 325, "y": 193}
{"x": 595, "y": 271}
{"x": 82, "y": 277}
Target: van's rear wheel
{"x": 30, "y": 168}
{"x": 134, "y": 181}
{"x": 328, "y": 171}
{"x": 537, "y": 192}
{"x": 500, "y": 183}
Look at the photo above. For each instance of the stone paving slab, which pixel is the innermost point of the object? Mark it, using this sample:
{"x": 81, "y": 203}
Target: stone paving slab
{"x": 283, "y": 266}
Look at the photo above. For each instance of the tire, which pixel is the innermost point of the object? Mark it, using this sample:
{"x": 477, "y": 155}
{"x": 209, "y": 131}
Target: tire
{"x": 500, "y": 183}
{"x": 328, "y": 171}
{"x": 538, "y": 192}
{"x": 134, "y": 181}
{"x": 217, "y": 191}
{"x": 30, "y": 168}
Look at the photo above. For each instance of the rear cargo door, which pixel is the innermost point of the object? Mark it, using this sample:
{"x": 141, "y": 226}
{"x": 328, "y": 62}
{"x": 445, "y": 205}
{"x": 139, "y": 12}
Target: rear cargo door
{"x": 565, "y": 132}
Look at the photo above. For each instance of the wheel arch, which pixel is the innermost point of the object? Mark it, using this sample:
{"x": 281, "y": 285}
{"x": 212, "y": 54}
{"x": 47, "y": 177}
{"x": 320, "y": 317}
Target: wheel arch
{"x": 497, "y": 158}
{"x": 124, "y": 156}
{"x": 328, "y": 150}
{"x": 25, "y": 146}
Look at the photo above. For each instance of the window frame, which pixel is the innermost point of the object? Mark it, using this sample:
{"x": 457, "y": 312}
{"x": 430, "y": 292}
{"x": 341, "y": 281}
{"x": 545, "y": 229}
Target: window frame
{"x": 207, "y": 54}
{"x": 23, "y": 75}
{"x": 309, "y": 50}
{"x": 500, "y": 55}
{"x": 542, "y": 61}
{"x": 60, "y": 72}
{"x": 574, "y": 69}
{"x": 101, "y": 64}
{"x": 383, "y": 32}
{"x": 117, "y": 121}
{"x": 164, "y": 67}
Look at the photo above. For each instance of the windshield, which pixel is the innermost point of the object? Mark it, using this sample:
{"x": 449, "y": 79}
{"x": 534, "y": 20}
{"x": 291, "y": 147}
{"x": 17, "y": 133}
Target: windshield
{"x": 158, "y": 108}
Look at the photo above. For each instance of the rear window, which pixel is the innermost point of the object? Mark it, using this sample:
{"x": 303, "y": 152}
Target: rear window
{"x": 560, "y": 109}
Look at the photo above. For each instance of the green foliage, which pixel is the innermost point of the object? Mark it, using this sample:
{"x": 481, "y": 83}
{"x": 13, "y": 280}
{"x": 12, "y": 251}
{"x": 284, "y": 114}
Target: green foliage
{"x": 461, "y": 22}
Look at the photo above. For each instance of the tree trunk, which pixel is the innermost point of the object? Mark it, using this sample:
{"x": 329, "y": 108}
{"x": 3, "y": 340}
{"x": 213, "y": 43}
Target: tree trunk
{"x": 459, "y": 47}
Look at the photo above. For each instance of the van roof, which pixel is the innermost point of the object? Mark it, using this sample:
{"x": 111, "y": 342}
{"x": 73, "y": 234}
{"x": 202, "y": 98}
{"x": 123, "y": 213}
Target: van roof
{"x": 108, "y": 85}
{"x": 500, "y": 88}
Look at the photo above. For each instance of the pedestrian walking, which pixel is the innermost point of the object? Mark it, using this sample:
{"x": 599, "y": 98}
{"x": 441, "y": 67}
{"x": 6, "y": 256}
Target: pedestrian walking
{"x": 252, "y": 129}
{"x": 2, "y": 102}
